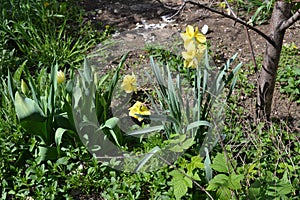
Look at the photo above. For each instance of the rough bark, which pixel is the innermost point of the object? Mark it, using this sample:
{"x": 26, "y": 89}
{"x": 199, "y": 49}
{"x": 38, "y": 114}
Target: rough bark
{"x": 267, "y": 79}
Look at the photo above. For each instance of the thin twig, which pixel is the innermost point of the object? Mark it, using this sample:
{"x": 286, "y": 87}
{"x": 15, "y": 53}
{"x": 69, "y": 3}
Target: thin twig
{"x": 179, "y": 10}
{"x": 270, "y": 40}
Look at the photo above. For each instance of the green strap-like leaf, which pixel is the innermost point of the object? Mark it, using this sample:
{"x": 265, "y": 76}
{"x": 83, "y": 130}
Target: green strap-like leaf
{"x": 27, "y": 109}
{"x": 146, "y": 130}
{"x": 146, "y": 158}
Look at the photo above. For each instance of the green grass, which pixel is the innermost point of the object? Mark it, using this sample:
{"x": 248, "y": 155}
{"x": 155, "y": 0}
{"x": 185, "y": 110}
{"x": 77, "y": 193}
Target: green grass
{"x": 43, "y": 32}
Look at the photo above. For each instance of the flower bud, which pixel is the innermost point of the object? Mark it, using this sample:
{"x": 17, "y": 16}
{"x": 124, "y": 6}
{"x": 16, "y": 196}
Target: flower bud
{"x": 24, "y": 87}
{"x": 60, "y": 77}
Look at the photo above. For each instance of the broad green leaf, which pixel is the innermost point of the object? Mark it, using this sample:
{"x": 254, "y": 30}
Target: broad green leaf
{"x": 188, "y": 181}
{"x": 77, "y": 96}
{"x": 234, "y": 181}
{"x": 27, "y": 109}
{"x": 180, "y": 190}
{"x": 187, "y": 143}
{"x": 178, "y": 138}
{"x": 219, "y": 163}
{"x": 176, "y": 175}
{"x": 223, "y": 193}
{"x": 111, "y": 123}
{"x": 196, "y": 163}
{"x": 217, "y": 182}
{"x": 47, "y": 153}
{"x": 58, "y": 136}
{"x": 180, "y": 186}
{"x": 196, "y": 177}
{"x": 279, "y": 189}
{"x": 176, "y": 148}
{"x": 255, "y": 190}
{"x": 62, "y": 120}
{"x": 63, "y": 161}
{"x": 53, "y": 89}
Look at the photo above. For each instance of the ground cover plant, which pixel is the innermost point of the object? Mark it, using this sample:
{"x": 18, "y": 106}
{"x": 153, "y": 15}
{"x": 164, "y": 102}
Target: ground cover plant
{"x": 43, "y": 156}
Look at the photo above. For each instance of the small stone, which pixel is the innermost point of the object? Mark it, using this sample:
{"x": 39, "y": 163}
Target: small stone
{"x": 116, "y": 11}
{"x": 204, "y": 29}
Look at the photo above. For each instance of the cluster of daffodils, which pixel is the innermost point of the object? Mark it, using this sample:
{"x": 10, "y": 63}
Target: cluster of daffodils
{"x": 129, "y": 85}
{"x": 195, "y": 46}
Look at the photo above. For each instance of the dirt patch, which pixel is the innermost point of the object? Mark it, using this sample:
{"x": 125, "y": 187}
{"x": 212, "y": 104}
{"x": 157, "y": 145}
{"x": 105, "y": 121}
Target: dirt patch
{"x": 133, "y": 20}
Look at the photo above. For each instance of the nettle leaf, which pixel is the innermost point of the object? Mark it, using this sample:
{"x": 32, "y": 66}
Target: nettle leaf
{"x": 234, "y": 181}
{"x": 217, "y": 182}
{"x": 219, "y": 163}
{"x": 282, "y": 188}
{"x": 180, "y": 189}
{"x": 223, "y": 193}
{"x": 255, "y": 190}
{"x": 176, "y": 175}
{"x": 196, "y": 162}
{"x": 188, "y": 143}
{"x": 176, "y": 148}
{"x": 188, "y": 181}
{"x": 194, "y": 176}
{"x": 180, "y": 186}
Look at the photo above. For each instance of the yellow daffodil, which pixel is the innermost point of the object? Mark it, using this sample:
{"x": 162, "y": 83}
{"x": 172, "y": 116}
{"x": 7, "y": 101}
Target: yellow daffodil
{"x": 190, "y": 52}
{"x": 191, "y": 34}
{"x": 129, "y": 83}
{"x": 193, "y": 55}
{"x": 201, "y": 48}
{"x": 138, "y": 108}
{"x": 60, "y": 77}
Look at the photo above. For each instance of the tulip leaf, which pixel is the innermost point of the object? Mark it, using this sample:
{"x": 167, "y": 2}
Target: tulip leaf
{"x": 27, "y": 109}
{"x": 47, "y": 153}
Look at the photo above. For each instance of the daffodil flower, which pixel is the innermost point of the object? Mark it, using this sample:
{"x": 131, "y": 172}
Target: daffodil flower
{"x": 60, "y": 77}
{"x": 193, "y": 55}
{"x": 140, "y": 109}
{"x": 129, "y": 83}
{"x": 191, "y": 34}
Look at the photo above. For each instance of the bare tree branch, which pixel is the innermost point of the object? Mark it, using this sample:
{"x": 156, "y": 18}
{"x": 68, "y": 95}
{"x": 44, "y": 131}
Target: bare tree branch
{"x": 290, "y": 21}
{"x": 270, "y": 40}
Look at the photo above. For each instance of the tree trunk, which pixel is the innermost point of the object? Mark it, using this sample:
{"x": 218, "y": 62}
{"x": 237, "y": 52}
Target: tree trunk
{"x": 267, "y": 79}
